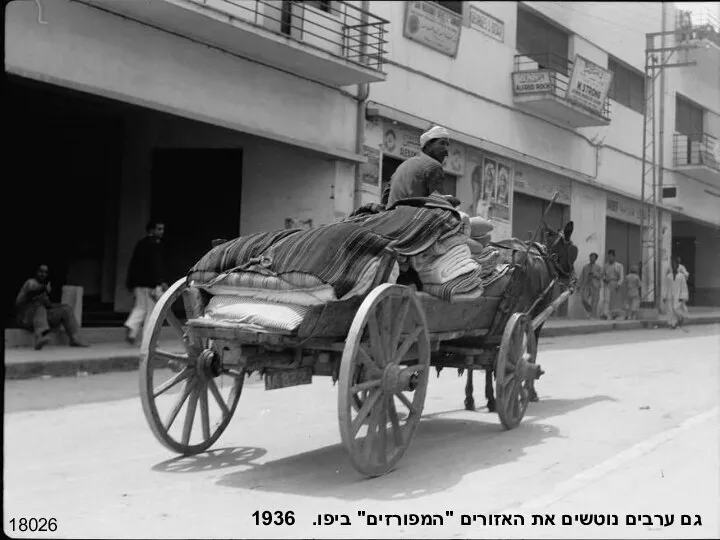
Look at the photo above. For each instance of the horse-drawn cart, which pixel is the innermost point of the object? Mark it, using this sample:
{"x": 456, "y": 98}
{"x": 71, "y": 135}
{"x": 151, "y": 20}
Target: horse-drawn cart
{"x": 380, "y": 347}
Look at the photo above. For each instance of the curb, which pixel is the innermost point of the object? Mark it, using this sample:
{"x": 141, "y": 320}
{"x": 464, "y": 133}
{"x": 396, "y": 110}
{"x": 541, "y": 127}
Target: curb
{"x": 72, "y": 368}
{"x": 131, "y": 360}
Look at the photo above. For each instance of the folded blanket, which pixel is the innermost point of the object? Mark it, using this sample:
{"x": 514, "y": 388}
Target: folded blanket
{"x": 338, "y": 253}
{"x": 441, "y": 269}
{"x": 256, "y": 312}
{"x": 465, "y": 286}
{"x": 300, "y": 297}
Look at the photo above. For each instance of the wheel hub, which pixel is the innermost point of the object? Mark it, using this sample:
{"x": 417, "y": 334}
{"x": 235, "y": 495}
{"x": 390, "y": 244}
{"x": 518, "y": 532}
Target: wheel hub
{"x": 397, "y": 378}
{"x": 208, "y": 364}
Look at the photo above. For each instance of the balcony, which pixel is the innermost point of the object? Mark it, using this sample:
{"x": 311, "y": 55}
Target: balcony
{"x": 701, "y": 32}
{"x": 540, "y": 85}
{"x": 335, "y": 43}
{"x": 697, "y": 156}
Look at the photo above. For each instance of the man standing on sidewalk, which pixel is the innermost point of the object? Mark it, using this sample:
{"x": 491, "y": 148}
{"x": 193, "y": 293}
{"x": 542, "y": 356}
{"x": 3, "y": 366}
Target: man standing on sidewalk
{"x": 36, "y": 313}
{"x": 590, "y": 283}
{"x": 146, "y": 278}
{"x": 613, "y": 276}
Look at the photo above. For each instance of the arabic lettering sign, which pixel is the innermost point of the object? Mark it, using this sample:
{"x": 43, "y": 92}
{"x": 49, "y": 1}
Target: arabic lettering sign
{"x": 405, "y": 143}
{"x": 531, "y": 82}
{"x": 589, "y": 84}
{"x": 433, "y": 26}
{"x": 487, "y": 24}
{"x": 538, "y": 183}
{"x": 624, "y": 209}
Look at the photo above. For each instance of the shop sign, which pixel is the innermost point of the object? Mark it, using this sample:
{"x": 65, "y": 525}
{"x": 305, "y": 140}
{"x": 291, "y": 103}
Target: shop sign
{"x": 431, "y": 25}
{"x": 589, "y": 84}
{"x": 624, "y": 209}
{"x": 532, "y": 82}
{"x": 542, "y": 184}
{"x": 487, "y": 24}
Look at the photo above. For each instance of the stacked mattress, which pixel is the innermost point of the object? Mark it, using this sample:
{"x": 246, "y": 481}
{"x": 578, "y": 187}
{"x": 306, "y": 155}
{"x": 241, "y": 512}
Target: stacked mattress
{"x": 270, "y": 280}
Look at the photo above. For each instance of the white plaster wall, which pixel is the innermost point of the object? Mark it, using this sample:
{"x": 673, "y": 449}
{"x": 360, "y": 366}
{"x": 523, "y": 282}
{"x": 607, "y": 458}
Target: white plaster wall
{"x": 278, "y": 181}
{"x": 94, "y": 51}
{"x": 588, "y": 212}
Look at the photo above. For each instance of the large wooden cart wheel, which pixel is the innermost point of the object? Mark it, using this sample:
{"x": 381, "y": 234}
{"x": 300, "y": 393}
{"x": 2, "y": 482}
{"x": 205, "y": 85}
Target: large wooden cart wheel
{"x": 178, "y": 372}
{"x": 383, "y": 378}
{"x": 515, "y": 370}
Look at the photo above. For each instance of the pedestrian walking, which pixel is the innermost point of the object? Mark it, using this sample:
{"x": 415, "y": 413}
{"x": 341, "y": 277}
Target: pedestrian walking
{"x": 613, "y": 278}
{"x": 590, "y": 283}
{"x": 146, "y": 278}
{"x": 676, "y": 296}
{"x": 36, "y": 313}
{"x": 633, "y": 286}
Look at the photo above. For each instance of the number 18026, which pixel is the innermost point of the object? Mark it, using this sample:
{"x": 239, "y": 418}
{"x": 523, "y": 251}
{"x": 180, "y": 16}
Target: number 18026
{"x": 33, "y": 524}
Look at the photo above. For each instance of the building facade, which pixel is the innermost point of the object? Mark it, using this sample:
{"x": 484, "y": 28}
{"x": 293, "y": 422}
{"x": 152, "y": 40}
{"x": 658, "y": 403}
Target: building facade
{"x": 227, "y": 118}
{"x": 221, "y": 118}
{"x": 501, "y": 77}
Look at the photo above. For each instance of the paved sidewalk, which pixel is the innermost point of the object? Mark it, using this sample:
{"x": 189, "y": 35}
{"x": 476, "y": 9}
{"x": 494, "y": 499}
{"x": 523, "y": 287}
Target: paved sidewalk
{"x": 57, "y": 361}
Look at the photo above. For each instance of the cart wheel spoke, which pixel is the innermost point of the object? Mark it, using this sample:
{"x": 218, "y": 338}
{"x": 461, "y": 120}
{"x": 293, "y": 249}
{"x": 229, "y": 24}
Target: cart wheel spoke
{"x": 172, "y": 357}
{"x": 407, "y": 403}
{"x": 190, "y": 414}
{"x": 175, "y": 323}
{"x": 362, "y": 387}
{"x": 392, "y": 412}
{"x": 399, "y": 324}
{"x": 189, "y": 386}
{"x": 365, "y": 359}
{"x": 218, "y": 398}
{"x": 369, "y": 441}
{"x": 410, "y": 340}
{"x": 205, "y": 412}
{"x": 176, "y": 379}
{"x": 387, "y": 313}
{"x": 376, "y": 344}
{"x": 382, "y": 432}
{"x": 364, "y": 411}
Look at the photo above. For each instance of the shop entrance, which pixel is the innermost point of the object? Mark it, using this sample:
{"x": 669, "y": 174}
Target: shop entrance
{"x": 177, "y": 173}
{"x": 624, "y": 238}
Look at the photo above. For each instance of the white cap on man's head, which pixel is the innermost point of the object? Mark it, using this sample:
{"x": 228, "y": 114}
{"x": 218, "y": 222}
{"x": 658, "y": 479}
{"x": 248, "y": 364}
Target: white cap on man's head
{"x": 435, "y": 132}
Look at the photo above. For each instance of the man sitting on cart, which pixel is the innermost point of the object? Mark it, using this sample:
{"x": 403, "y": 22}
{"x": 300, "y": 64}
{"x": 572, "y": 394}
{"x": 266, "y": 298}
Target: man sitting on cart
{"x": 423, "y": 174}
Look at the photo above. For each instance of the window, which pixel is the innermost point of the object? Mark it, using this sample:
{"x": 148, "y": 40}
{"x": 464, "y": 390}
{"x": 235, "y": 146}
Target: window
{"x": 455, "y": 7}
{"x": 688, "y": 119}
{"x": 544, "y": 43}
{"x": 627, "y": 87}
{"x": 322, "y": 5}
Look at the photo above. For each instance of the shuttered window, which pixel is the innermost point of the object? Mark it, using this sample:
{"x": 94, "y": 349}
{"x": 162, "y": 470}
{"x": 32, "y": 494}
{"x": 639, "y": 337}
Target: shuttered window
{"x": 688, "y": 118}
{"x": 544, "y": 43}
{"x": 627, "y": 87}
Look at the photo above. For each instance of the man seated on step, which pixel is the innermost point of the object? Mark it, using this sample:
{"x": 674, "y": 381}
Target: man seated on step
{"x": 36, "y": 313}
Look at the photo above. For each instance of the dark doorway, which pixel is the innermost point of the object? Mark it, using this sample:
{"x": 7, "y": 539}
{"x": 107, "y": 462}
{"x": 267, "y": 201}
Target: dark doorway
{"x": 197, "y": 195}
{"x": 64, "y": 157}
{"x": 684, "y": 247}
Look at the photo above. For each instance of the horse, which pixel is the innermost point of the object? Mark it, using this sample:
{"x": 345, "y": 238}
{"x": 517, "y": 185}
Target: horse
{"x": 555, "y": 260}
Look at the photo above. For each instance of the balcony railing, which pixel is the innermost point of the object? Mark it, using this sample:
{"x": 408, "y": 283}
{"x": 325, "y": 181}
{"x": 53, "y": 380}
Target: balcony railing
{"x": 698, "y": 150}
{"x": 559, "y": 69}
{"x": 336, "y": 27}
{"x": 698, "y": 26}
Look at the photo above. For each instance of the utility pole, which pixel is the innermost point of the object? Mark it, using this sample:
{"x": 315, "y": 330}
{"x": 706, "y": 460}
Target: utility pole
{"x": 656, "y": 61}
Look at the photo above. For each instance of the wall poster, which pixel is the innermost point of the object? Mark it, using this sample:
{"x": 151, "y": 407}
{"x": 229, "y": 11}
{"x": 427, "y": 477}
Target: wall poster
{"x": 492, "y": 187}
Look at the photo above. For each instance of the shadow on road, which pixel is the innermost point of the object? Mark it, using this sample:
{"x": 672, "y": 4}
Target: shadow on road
{"x": 443, "y": 452}
{"x": 549, "y": 407}
{"x": 222, "y": 458}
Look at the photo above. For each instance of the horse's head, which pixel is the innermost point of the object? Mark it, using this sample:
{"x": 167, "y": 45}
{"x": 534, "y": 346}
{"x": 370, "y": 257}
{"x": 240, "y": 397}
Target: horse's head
{"x": 563, "y": 252}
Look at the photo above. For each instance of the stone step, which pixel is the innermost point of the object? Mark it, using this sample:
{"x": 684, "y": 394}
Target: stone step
{"x": 17, "y": 338}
